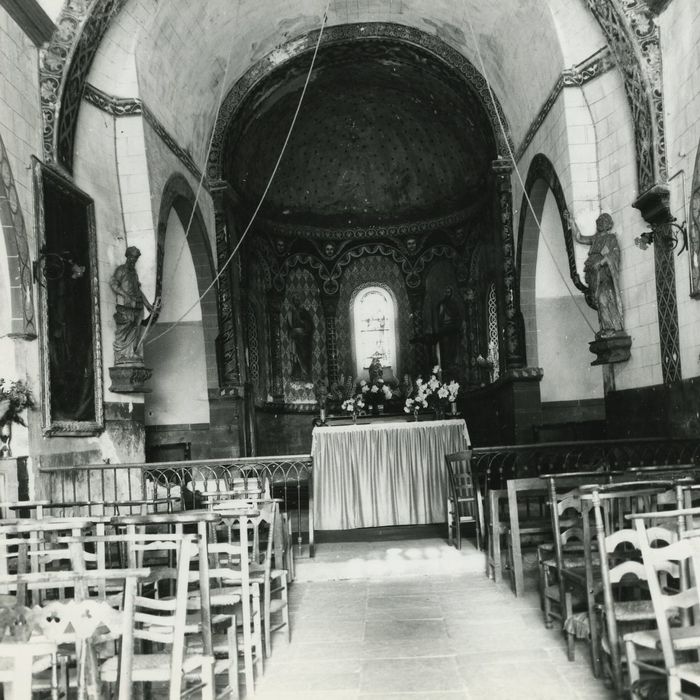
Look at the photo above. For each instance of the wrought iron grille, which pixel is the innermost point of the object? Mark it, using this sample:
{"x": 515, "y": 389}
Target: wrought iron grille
{"x": 495, "y": 465}
{"x": 98, "y": 489}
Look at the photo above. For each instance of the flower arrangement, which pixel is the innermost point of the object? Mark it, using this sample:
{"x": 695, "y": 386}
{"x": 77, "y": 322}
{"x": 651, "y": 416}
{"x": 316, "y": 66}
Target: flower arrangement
{"x": 376, "y": 392}
{"x": 432, "y": 394}
{"x": 354, "y": 404}
{"x": 15, "y": 397}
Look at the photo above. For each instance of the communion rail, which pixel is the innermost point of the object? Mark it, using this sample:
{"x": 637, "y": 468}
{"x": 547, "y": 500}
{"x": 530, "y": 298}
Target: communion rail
{"x": 96, "y": 489}
{"x": 495, "y": 465}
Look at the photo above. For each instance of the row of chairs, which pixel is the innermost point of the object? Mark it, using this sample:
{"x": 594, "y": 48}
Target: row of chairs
{"x": 618, "y": 562}
{"x": 225, "y": 587}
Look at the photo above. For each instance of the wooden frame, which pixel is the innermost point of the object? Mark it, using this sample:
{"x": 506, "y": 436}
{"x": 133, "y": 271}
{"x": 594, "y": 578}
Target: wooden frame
{"x": 50, "y": 182}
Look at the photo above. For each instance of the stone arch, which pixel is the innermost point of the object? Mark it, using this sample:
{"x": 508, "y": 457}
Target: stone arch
{"x": 63, "y": 70}
{"x": 22, "y": 320}
{"x": 542, "y": 177}
{"x": 179, "y": 196}
{"x": 548, "y": 219}
{"x": 461, "y": 65}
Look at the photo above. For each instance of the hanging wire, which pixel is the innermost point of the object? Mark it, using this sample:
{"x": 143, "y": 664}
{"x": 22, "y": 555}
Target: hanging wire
{"x": 517, "y": 171}
{"x": 119, "y": 179}
{"x": 200, "y": 184}
{"x": 265, "y": 191}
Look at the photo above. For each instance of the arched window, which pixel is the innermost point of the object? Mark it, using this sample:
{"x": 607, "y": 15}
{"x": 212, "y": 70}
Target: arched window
{"x": 374, "y": 322}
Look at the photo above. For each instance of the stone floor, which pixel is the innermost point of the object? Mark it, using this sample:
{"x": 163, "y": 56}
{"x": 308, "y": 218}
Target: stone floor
{"x": 416, "y": 619}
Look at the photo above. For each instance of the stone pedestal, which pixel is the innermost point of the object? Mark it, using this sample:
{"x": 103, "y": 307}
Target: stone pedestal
{"x": 129, "y": 378}
{"x": 610, "y": 350}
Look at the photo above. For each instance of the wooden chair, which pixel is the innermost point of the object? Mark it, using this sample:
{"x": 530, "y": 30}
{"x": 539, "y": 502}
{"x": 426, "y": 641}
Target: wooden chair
{"x": 231, "y": 557}
{"x": 563, "y": 574}
{"x": 622, "y": 573}
{"x": 75, "y": 622}
{"x": 659, "y": 561}
{"x": 463, "y": 498}
{"x": 618, "y": 500}
{"x": 163, "y": 622}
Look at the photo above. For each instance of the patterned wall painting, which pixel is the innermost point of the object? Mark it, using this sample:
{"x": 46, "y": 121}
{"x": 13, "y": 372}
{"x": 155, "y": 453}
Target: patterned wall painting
{"x": 302, "y": 286}
{"x": 379, "y": 270}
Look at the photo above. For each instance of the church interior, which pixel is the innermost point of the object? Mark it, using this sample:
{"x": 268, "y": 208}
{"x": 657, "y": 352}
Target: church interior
{"x": 260, "y": 240}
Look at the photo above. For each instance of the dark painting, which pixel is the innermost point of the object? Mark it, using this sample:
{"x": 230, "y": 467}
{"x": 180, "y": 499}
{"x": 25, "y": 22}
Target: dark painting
{"x": 66, "y": 273}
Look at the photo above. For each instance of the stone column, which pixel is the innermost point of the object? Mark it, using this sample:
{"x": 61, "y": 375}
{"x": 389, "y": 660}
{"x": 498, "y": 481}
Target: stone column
{"x": 274, "y": 309}
{"x": 654, "y": 206}
{"x": 229, "y": 370}
{"x": 330, "y": 309}
{"x": 515, "y": 341}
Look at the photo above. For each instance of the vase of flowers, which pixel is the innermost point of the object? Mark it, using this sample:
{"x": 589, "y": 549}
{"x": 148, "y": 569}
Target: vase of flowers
{"x": 433, "y": 394}
{"x": 376, "y": 393}
{"x": 354, "y": 405}
{"x": 15, "y": 397}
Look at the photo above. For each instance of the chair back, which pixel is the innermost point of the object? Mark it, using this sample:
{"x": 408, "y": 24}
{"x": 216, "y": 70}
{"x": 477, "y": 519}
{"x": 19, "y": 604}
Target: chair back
{"x": 659, "y": 563}
{"x": 463, "y": 488}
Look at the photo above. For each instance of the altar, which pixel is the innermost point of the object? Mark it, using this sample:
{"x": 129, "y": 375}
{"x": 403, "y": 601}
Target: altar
{"x": 383, "y": 474}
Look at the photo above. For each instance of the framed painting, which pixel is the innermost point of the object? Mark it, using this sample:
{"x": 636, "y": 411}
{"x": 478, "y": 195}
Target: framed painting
{"x": 66, "y": 274}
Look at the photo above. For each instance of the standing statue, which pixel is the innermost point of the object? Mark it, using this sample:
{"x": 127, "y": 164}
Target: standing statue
{"x": 375, "y": 369}
{"x": 602, "y": 273}
{"x": 300, "y": 326}
{"x": 129, "y": 314}
{"x": 449, "y": 327}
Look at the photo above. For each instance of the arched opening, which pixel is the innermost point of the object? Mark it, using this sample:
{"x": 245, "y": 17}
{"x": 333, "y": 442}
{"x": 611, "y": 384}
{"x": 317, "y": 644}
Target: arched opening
{"x": 373, "y": 311}
{"x": 175, "y": 346}
{"x": 551, "y": 304}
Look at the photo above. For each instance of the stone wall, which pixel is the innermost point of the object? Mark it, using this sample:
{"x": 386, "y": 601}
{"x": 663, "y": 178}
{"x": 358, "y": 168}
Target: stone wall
{"x": 20, "y": 134}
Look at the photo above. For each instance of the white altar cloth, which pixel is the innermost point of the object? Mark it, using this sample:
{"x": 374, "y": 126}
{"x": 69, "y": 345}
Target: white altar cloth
{"x": 383, "y": 474}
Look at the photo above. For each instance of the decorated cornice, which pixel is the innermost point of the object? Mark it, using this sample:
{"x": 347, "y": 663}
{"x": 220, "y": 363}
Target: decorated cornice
{"x": 593, "y": 67}
{"x": 63, "y": 69}
{"x": 394, "y": 230}
{"x": 116, "y": 106}
{"x": 352, "y": 32}
{"x": 133, "y": 106}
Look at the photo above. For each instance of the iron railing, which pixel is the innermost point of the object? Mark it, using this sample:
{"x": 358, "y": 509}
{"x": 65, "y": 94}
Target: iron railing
{"x": 495, "y": 465}
{"x": 94, "y": 489}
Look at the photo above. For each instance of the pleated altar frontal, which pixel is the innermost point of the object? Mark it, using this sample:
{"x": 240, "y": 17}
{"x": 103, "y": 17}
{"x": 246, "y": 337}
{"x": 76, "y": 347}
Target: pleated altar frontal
{"x": 383, "y": 474}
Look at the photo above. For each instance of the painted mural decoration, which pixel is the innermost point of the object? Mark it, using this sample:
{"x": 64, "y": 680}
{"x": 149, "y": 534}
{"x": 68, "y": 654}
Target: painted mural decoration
{"x": 449, "y": 331}
{"x": 300, "y": 326}
{"x": 694, "y": 232}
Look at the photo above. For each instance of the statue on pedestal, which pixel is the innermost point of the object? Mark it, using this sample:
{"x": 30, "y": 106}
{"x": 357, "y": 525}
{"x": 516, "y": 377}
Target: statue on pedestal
{"x": 129, "y": 373}
{"x": 602, "y": 273}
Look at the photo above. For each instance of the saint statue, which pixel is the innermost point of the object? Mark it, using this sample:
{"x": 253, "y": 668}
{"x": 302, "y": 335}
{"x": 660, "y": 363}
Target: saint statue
{"x": 375, "y": 370}
{"x": 128, "y": 316}
{"x": 602, "y": 273}
{"x": 449, "y": 327}
{"x": 300, "y": 326}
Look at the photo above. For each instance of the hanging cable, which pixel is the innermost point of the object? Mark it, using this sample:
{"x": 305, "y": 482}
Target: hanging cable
{"x": 517, "y": 171}
{"x": 265, "y": 191}
{"x": 200, "y": 184}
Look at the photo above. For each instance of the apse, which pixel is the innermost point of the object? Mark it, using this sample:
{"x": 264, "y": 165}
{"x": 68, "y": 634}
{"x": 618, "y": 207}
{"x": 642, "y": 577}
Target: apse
{"x": 372, "y": 170}
{"x": 386, "y": 132}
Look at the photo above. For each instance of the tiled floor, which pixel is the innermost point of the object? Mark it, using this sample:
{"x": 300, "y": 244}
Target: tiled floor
{"x": 416, "y": 619}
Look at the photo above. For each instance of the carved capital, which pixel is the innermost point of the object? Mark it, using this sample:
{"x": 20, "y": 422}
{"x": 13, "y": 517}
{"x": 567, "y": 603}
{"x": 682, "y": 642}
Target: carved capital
{"x": 502, "y": 166}
{"x": 654, "y": 205}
